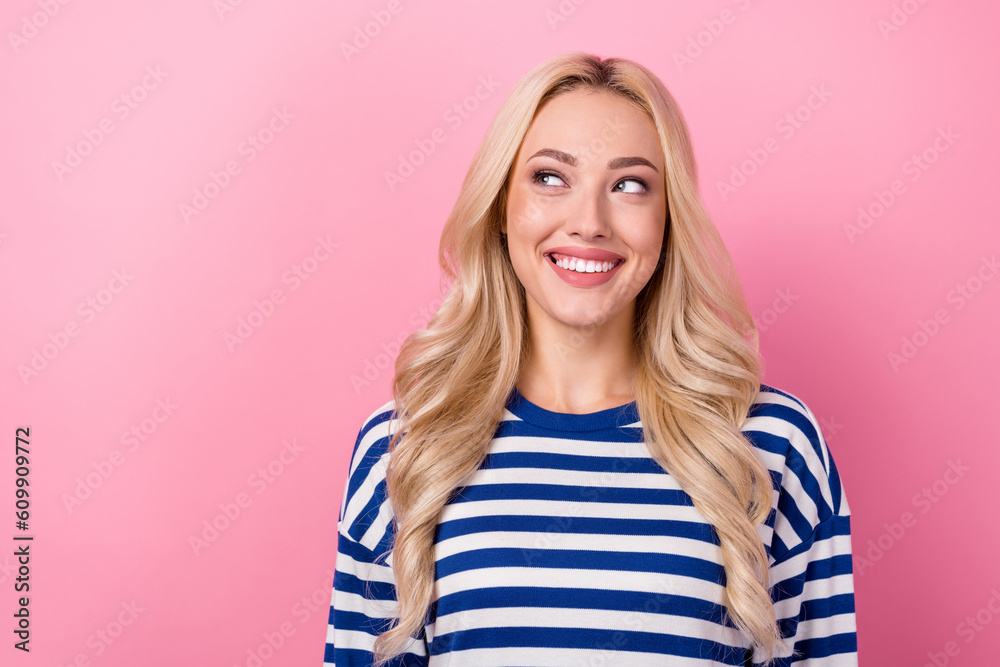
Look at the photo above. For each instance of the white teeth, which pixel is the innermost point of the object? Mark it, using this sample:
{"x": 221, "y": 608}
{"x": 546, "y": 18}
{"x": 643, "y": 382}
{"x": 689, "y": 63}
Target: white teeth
{"x": 585, "y": 266}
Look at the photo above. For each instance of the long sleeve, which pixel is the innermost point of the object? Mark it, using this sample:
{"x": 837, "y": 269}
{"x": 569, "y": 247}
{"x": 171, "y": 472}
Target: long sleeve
{"x": 813, "y": 598}
{"x": 364, "y": 592}
{"x": 364, "y": 598}
{"x": 811, "y": 571}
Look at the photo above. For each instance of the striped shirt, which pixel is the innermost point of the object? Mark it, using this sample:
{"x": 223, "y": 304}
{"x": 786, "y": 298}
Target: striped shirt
{"x": 570, "y": 545}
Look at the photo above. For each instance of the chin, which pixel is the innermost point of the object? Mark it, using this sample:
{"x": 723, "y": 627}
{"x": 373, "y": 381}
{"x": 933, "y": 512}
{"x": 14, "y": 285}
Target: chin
{"x": 583, "y": 319}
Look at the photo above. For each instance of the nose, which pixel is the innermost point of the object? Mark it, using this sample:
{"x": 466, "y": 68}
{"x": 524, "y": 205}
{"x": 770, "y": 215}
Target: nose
{"x": 589, "y": 217}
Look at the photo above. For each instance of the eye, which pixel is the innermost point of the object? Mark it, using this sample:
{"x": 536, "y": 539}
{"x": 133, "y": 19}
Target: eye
{"x": 620, "y": 186}
{"x": 547, "y": 178}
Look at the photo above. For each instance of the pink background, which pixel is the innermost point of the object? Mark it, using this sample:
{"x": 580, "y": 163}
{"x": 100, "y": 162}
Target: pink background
{"x": 114, "y": 515}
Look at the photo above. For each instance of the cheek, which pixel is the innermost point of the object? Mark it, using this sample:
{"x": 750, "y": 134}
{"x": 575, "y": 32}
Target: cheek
{"x": 525, "y": 206}
{"x": 523, "y": 213}
{"x": 654, "y": 236}
{"x": 647, "y": 245}
{"x": 526, "y": 228}
{"x": 526, "y": 276}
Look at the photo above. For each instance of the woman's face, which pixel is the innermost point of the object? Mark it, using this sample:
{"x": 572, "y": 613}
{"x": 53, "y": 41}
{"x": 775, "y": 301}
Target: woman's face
{"x": 586, "y": 189}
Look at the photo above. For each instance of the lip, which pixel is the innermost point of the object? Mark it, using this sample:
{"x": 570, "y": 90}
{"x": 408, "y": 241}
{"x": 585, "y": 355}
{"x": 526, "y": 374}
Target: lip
{"x": 595, "y": 254}
{"x": 578, "y": 279}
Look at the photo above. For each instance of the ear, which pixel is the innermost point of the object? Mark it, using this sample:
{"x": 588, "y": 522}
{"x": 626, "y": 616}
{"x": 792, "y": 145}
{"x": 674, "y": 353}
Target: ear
{"x": 503, "y": 210}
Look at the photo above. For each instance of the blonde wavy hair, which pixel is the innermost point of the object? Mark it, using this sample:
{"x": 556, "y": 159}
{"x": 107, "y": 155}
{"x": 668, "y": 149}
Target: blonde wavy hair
{"x": 698, "y": 365}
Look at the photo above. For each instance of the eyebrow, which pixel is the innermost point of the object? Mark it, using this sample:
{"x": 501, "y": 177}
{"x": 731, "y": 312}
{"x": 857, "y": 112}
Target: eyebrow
{"x": 616, "y": 163}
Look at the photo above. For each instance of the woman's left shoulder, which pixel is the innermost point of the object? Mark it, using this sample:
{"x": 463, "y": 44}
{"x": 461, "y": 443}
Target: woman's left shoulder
{"x": 791, "y": 442}
{"x": 787, "y": 422}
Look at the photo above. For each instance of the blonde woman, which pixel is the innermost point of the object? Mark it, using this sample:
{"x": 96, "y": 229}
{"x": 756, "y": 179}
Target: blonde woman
{"x": 580, "y": 465}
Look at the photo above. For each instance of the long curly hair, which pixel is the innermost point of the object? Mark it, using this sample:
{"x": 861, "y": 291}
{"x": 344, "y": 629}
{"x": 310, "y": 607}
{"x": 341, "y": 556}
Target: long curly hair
{"x": 697, "y": 351}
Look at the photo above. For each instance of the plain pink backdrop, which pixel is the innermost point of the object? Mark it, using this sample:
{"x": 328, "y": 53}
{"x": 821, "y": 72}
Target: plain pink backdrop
{"x": 244, "y": 339}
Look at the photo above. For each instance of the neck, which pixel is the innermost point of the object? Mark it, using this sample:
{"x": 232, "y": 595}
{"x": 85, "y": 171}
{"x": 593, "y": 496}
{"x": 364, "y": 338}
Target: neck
{"x": 579, "y": 370}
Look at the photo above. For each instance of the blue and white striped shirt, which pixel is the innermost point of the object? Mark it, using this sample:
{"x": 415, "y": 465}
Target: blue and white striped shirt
{"x": 572, "y": 546}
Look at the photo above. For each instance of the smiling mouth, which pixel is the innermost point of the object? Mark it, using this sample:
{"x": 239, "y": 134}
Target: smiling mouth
{"x": 570, "y": 263}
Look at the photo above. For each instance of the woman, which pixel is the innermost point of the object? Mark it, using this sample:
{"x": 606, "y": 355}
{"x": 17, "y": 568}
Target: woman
{"x": 579, "y": 465}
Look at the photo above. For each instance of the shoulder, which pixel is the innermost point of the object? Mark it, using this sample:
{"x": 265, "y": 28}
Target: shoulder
{"x": 373, "y": 437}
{"x": 790, "y": 441}
{"x": 788, "y": 426}
{"x": 365, "y": 512}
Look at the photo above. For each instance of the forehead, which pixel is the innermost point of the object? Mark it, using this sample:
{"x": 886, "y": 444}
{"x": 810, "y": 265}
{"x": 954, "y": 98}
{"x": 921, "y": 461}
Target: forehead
{"x": 585, "y": 123}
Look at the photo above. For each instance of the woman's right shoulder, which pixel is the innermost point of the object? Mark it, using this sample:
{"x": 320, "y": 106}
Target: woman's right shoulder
{"x": 364, "y": 510}
{"x": 372, "y": 443}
